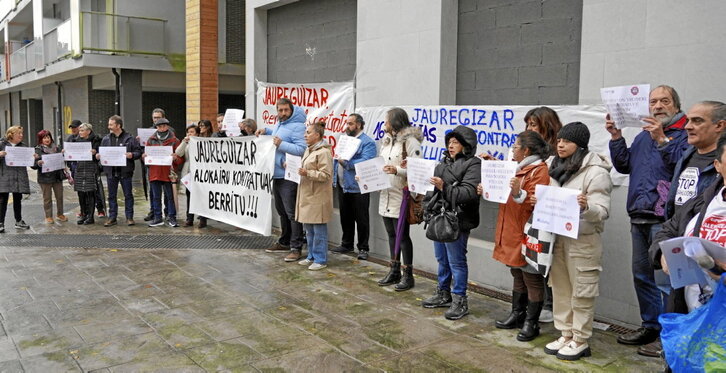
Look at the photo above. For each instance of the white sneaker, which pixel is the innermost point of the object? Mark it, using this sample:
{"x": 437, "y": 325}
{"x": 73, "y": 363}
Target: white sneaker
{"x": 573, "y": 352}
{"x": 305, "y": 262}
{"x": 546, "y": 316}
{"x": 553, "y": 347}
{"x": 317, "y": 266}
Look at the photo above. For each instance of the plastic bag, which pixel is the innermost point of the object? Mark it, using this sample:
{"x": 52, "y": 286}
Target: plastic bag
{"x": 696, "y": 342}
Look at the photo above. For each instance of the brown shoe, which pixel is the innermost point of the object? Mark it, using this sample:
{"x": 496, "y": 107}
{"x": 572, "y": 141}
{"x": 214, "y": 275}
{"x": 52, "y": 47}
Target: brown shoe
{"x": 49, "y": 221}
{"x": 653, "y": 349}
{"x": 294, "y": 256}
{"x": 62, "y": 218}
{"x": 277, "y": 248}
{"x": 130, "y": 222}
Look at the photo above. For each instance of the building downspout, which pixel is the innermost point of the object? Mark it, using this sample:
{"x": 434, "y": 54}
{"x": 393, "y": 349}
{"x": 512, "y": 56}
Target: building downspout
{"x": 117, "y": 99}
{"x": 59, "y": 114}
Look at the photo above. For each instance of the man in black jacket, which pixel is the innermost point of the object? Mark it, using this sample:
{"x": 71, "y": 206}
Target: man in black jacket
{"x": 115, "y": 175}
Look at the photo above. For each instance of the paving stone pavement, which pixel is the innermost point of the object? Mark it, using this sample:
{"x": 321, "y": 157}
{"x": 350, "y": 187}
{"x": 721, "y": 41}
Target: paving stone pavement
{"x": 107, "y": 309}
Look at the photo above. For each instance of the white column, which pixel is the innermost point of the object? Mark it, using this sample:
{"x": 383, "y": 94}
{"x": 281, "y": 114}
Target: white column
{"x": 76, "y": 27}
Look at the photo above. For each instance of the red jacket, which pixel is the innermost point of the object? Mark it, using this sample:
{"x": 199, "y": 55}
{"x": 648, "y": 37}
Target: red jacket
{"x": 161, "y": 173}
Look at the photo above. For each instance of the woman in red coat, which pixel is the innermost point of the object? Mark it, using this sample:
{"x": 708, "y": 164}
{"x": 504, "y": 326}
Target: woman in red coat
{"x": 531, "y": 151}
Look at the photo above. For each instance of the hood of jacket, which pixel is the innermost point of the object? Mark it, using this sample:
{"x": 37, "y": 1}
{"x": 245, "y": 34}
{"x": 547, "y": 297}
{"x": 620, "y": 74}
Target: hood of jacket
{"x": 593, "y": 159}
{"x": 405, "y": 134}
{"x": 467, "y": 137}
{"x": 298, "y": 116}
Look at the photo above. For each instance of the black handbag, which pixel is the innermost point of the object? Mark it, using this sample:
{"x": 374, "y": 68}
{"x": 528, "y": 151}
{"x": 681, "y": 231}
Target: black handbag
{"x": 442, "y": 223}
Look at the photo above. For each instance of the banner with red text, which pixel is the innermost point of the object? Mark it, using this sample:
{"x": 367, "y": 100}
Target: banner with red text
{"x": 327, "y": 102}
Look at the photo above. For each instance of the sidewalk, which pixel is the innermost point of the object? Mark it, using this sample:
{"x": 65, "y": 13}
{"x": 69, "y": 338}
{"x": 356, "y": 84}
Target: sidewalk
{"x": 80, "y": 299}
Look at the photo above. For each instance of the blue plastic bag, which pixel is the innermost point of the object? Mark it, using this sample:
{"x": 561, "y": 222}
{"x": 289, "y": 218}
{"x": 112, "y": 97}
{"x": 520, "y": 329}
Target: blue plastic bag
{"x": 696, "y": 342}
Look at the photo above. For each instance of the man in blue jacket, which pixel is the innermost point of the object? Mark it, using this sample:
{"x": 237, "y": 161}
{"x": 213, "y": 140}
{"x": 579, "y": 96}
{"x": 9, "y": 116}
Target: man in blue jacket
{"x": 352, "y": 203}
{"x": 650, "y": 162}
{"x": 124, "y": 175}
{"x": 288, "y": 137}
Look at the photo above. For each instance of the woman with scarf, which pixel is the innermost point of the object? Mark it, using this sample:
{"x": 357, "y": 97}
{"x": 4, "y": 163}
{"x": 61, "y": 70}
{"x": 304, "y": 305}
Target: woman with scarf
{"x": 50, "y": 182}
{"x": 13, "y": 180}
{"x": 576, "y": 263}
{"x": 455, "y": 180}
{"x": 314, "y": 203}
{"x": 531, "y": 151}
{"x": 86, "y": 172}
{"x": 400, "y": 141}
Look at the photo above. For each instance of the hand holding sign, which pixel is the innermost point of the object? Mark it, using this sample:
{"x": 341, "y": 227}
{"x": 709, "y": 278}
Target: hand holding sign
{"x": 420, "y": 172}
{"x": 293, "y": 164}
{"x": 346, "y": 147}
{"x": 557, "y": 210}
{"x": 627, "y": 105}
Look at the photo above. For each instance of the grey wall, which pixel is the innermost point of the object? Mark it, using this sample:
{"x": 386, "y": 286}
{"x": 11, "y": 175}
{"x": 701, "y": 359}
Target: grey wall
{"x": 171, "y": 10}
{"x": 75, "y": 96}
{"x": 518, "y": 52}
{"x": 327, "y": 26}
{"x": 235, "y": 31}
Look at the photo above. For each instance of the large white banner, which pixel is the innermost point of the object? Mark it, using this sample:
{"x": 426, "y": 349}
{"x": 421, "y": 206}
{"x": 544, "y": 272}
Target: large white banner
{"x": 496, "y": 126}
{"x": 231, "y": 180}
{"x": 327, "y": 102}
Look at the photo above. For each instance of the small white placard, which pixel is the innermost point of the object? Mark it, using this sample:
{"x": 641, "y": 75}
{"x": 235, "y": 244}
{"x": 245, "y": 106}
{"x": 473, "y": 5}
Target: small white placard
{"x": 144, "y": 134}
{"x": 556, "y": 210}
{"x": 627, "y": 105}
{"x": 52, "y": 162}
{"x": 495, "y": 179}
{"x": 112, "y": 156}
{"x": 420, "y": 171}
{"x": 232, "y": 117}
{"x": 370, "y": 175}
{"x": 346, "y": 147}
{"x": 158, "y": 156}
{"x": 292, "y": 166}
{"x": 77, "y": 151}
{"x": 19, "y": 156}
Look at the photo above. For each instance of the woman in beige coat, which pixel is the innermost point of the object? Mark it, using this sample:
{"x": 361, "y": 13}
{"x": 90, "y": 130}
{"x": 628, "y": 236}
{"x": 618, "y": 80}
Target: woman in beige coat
{"x": 314, "y": 204}
{"x": 182, "y": 151}
{"x": 400, "y": 138}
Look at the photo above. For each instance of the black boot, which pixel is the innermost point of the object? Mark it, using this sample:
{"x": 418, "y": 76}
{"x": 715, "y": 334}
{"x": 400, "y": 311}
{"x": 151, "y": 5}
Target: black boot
{"x": 442, "y": 298}
{"x": 393, "y": 275}
{"x": 516, "y": 317}
{"x": 459, "y": 307}
{"x": 530, "y": 329}
{"x": 406, "y": 280}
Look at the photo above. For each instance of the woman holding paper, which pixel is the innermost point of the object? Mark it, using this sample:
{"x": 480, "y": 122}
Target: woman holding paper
{"x": 576, "y": 263}
{"x": 455, "y": 180}
{"x": 12, "y": 179}
{"x": 86, "y": 172}
{"x": 530, "y": 151}
{"x": 182, "y": 152}
{"x": 546, "y": 122}
{"x": 50, "y": 182}
{"x": 400, "y": 141}
{"x": 314, "y": 203}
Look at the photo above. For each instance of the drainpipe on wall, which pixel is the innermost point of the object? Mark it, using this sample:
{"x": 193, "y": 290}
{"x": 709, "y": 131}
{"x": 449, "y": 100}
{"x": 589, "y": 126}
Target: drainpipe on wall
{"x": 59, "y": 114}
{"x": 117, "y": 100}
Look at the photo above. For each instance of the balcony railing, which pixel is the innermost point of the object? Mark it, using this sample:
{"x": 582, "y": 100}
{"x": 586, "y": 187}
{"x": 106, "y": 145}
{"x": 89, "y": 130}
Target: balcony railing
{"x": 117, "y": 34}
{"x": 57, "y": 43}
{"x": 24, "y": 59}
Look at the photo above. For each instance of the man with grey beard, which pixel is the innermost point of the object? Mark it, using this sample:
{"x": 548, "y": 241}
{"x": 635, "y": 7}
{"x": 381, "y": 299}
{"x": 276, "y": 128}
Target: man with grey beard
{"x": 650, "y": 161}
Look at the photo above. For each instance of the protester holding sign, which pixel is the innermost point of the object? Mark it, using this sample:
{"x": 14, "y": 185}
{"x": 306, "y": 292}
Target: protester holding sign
{"x": 86, "y": 172}
{"x": 455, "y": 180}
{"x": 576, "y": 266}
{"x": 288, "y": 138}
{"x": 314, "y": 203}
{"x": 163, "y": 177}
{"x": 352, "y": 203}
{"x": 648, "y": 161}
{"x": 52, "y": 181}
{"x": 118, "y": 137}
{"x": 182, "y": 152}
{"x": 530, "y": 151}
{"x": 12, "y": 179}
{"x": 401, "y": 140}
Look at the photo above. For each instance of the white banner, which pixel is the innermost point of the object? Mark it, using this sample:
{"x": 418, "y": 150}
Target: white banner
{"x": 496, "y": 126}
{"x": 231, "y": 180}
{"x": 327, "y": 102}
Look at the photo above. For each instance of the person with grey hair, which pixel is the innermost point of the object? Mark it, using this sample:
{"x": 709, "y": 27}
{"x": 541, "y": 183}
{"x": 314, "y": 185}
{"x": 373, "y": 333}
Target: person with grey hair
{"x": 247, "y": 127}
{"x": 352, "y": 203}
{"x": 86, "y": 172}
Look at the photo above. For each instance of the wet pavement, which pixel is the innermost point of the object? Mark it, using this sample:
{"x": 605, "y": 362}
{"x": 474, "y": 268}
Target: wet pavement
{"x": 99, "y": 305}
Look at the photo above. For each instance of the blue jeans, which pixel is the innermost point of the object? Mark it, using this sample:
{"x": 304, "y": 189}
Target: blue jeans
{"x": 156, "y": 188}
{"x": 317, "y": 242}
{"x": 452, "y": 261}
{"x": 113, "y": 182}
{"x": 650, "y": 299}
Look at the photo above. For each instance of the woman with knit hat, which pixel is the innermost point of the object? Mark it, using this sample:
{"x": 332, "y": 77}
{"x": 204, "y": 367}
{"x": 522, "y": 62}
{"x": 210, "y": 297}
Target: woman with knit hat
{"x": 576, "y": 263}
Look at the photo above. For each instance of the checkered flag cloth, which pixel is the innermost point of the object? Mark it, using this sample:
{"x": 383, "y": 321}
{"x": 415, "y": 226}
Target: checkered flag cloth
{"x": 537, "y": 248}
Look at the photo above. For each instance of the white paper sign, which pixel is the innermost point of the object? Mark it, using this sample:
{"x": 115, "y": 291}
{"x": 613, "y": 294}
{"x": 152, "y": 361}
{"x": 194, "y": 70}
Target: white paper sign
{"x": 232, "y": 117}
{"x": 144, "y": 134}
{"x": 683, "y": 270}
{"x": 292, "y": 165}
{"x": 186, "y": 180}
{"x": 370, "y": 175}
{"x": 420, "y": 171}
{"x": 52, "y": 162}
{"x": 495, "y": 178}
{"x": 347, "y": 146}
{"x": 112, "y": 156}
{"x": 556, "y": 210}
{"x": 627, "y": 105}
{"x": 19, "y": 156}
{"x": 232, "y": 180}
{"x": 158, "y": 155}
{"x": 77, "y": 151}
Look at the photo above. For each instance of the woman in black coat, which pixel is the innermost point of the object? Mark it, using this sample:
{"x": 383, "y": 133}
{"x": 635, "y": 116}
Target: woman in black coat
{"x": 86, "y": 172}
{"x": 50, "y": 182}
{"x": 12, "y": 179}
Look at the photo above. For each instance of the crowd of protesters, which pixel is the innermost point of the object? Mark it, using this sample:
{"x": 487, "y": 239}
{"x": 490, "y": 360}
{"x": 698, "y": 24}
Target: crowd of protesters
{"x": 676, "y": 176}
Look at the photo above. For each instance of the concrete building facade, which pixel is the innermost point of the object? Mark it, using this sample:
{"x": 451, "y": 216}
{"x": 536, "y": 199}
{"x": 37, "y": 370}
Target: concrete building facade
{"x": 492, "y": 52}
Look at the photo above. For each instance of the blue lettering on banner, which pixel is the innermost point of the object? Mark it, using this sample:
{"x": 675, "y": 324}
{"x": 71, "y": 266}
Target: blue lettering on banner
{"x": 502, "y": 120}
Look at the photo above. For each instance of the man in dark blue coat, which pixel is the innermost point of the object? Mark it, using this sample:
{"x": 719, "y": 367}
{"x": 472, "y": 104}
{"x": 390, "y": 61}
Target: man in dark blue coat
{"x": 650, "y": 162}
{"x": 123, "y": 175}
